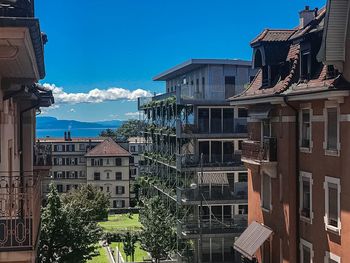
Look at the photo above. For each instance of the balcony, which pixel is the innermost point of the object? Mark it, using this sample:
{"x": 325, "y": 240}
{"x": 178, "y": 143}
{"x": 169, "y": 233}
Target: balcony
{"x": 17, "y": 8}
{"x": 20, "y": 214}
{"x": 155, "y": 101}
{"x": 42, "y": 157}
{"x": 217, "y": 162}
{"x": 191, "y": 227}
{"x": 214, "y": 194}
{"x": 262, "y": 154}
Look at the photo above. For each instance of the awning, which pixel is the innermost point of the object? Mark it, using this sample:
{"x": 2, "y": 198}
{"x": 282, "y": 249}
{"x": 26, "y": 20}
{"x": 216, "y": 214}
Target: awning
{"x": 251, "y": 239}
{"x": 260, "y": 112}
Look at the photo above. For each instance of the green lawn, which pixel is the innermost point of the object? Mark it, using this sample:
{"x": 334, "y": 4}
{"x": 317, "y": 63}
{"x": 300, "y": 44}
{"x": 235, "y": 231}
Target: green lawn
{"x": 139, "y": 253}
{"x": 121, "y": 222}
{"x": 101, "y": 257}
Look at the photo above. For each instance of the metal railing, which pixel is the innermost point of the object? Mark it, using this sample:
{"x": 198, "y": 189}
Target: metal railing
{"x": 193, "y": 160}
{"x": 214, "y": 192}
{"x": 260, "y": 151}
{"x": 20, "y": 203}
{"x": 16, "y": 8}
{"x": 193, "y": 226}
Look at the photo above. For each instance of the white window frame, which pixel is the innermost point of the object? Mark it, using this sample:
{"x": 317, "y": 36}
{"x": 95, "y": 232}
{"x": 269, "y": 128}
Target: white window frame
{"x": 330, "y": 255}
{"x": 308, "y": 176}
{"x": 328, "y": 105}
{"x": 336, "y": 181}
{"x": 306, "y": 106}
{"x": 262, "y": 193}
{"x": 262, "y": 129}
{"x": 304, "y": 243}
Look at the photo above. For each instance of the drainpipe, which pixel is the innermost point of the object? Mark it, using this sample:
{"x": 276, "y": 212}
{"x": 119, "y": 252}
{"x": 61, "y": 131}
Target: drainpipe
{"x": 297, "y": 204}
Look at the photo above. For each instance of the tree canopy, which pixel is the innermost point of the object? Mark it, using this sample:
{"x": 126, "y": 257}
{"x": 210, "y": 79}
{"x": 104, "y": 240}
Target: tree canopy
{"x": 130, "y": 128}
{"x": 69, "y": 228}
{"x": 158, "y": 235}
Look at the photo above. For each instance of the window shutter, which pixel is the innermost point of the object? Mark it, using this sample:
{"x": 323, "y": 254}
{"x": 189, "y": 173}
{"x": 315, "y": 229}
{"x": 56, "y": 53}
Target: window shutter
{"x": 123, "y": 203}
{"x": 123, "y": 190}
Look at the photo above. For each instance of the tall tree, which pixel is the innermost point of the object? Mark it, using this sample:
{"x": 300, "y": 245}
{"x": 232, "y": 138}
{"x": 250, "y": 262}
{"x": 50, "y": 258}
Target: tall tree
{"x": 130, "y": 128}
{"x": 90, "y": 200}
{"x": 68, "y": 230}
{"x": 129, "y": 243}
{"x": 53, "y": 229}
{"x": 158, "y": 236}
{"x": 108, "y": 133}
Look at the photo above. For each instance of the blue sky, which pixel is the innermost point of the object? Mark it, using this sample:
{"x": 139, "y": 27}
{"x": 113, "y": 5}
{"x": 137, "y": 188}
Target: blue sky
{"x": 124, "y": 43}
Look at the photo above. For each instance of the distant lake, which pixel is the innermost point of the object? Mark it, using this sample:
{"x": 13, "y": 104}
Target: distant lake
{"x": 75, "y": 132}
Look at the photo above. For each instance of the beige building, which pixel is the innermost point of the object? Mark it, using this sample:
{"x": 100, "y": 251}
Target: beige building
{"x": 108, "y": 167}
{"x": 22, "y": 65}
{"x": 68, "y": 161}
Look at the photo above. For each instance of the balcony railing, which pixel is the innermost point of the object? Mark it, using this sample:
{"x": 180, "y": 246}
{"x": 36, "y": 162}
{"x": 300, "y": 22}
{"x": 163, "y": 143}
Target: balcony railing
{"x": 193, "y": 160}
{"x": 20, "y": 204}
{"x": 146, "y": 101}
{"x": 257, "y": 151}
{"x": 214, "y": 193}
{"x": 42, "y": 155}
{"x": 235, "y": 225}
{"x": 17, "y": 8}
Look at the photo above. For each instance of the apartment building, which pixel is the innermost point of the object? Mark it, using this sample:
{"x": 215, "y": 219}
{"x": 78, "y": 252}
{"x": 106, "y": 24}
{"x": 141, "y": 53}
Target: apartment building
{"x": 297, "y": 153}
{"x": 21, "y": 67}
{"x": 68, "y": 161}
{"x": 108, "y": 168}
{"x": 193, "y": 151}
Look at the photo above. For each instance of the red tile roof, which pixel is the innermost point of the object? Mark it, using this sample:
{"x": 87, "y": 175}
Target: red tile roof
{"x": 273, "y": 35}
{"x": 108, "y": 148}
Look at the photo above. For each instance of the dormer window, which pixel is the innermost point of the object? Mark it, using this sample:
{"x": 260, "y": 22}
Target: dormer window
{"x": 265, "y": 76}
{"x": 305, "y": 65}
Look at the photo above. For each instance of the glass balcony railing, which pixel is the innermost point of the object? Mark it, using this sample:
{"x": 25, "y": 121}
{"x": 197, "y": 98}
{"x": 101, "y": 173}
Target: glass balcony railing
{"x": 239, "y": 192}
{"x": 16, "y": 8}
{"x": 20, "y": 214}
{"x": 216, "y": 160}
{"x": 215, "y": 225}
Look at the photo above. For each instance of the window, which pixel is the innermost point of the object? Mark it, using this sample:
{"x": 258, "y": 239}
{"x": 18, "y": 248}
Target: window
{"x": 107, "y": 161}
{"x": 203, "y": 120}
{"x": 305, "y": 207}
{"x": 107, "y": 189}
{"x": 242, "y": 113}
{"x": 243, "y": 177}
{"x": 118, "y": 161}
{"x": 97, "y": 176}
{"x": 228, "y": 121}
{"x": 305, "y": 128}
{"x": 60, "y": 188}
{"x": 133, "y": 148}
{"x": 118, "y": 176}
{"x": 265, "y": 129}
{"x": 331, "y": 258}
{"x": 216, "y": 121}
{"x": 107, "y": 175}
{"x": 332, "y": 129}
{"x": 266, "y": 192}
{"x": 305, "y": 65}
{"x": 230, "y": 89}
{"x": 119, "y": 190}
{"x": 243, "y": 209}
{"x": 118, "y": 203}
{"x": 332, "y": 203}
{"x": 306, "y": 253}
{"x": 82, "y": 147}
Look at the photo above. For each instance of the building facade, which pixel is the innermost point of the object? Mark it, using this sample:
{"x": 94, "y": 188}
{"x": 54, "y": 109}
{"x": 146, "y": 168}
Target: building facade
{"x": 21, "y": 67}
{"x": 297, "y": 154}
{"x": 192, "y": 155}
{"x": 108, "y": 167}
{"x": 68, "y": 161}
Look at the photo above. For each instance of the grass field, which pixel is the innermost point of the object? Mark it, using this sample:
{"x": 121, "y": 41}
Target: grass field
{"x": 101, "y": 257}
{"x": 121, "y": 222}
{"x": 139, "y": 253}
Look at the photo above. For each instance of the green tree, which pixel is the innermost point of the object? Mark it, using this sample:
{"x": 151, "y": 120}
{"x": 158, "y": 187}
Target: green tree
{"x": 68, "y": 231}
{"x": 53, "y": 229}
{"x": 90, "y": 200}
{"x": 129, "y": 243}
{"x": 108, "y": 133}
{"x": 158, "y": 235}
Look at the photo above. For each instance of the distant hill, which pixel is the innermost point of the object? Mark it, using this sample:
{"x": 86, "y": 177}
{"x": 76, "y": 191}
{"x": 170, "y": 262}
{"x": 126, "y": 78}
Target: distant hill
{"x": 54, "y": 123}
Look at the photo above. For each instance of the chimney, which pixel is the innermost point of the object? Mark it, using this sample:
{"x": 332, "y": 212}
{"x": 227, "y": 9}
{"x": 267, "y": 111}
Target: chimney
{"x": 306, "y": 16}
{"x": 65, "y": 136}
{"x": 68, "y": 136}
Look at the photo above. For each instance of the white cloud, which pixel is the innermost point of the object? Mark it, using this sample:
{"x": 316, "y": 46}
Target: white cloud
{"x": 46, "y": 110}
{"x": 132, "y": 114}
{"x": 113, "y": 115}
{"x": 95, "y": 95}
